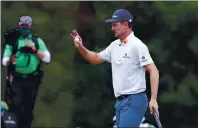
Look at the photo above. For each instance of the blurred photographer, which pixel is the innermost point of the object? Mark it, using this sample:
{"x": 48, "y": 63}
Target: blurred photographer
{"x": 23, "y": 54}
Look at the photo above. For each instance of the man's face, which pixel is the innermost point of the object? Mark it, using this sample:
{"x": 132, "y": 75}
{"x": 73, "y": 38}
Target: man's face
{"x": 119, "y": 28}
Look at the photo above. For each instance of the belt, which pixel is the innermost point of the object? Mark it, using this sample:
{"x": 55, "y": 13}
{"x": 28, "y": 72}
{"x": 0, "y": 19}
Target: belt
{"x": 121, "y": 97}
{"x": 25, "y": 75}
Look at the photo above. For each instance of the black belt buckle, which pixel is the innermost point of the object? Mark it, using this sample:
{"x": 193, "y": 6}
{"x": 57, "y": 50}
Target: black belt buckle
{"x": 121, "y": 97}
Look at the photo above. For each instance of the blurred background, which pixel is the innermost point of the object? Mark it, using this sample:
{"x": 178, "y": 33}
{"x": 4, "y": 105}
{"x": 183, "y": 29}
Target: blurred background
{"x": 77, "y": 94}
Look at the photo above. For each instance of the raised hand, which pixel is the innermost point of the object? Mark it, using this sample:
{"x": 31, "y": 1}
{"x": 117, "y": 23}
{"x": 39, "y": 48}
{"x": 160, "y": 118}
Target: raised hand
{"x": 77, "y": 43}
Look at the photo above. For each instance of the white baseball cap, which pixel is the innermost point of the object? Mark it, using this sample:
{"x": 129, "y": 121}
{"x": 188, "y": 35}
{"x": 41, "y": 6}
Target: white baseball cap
{"x": 25, "y": 20}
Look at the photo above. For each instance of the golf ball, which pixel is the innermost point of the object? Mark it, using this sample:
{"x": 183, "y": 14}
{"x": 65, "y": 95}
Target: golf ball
{"x": 77, "y": 39}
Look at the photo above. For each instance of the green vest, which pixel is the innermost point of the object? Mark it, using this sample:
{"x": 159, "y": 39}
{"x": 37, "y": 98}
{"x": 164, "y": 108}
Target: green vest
{"x": 25, "y": 63}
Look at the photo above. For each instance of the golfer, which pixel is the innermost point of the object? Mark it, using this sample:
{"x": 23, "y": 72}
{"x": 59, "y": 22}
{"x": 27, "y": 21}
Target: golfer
{"x": 130, "y": 59}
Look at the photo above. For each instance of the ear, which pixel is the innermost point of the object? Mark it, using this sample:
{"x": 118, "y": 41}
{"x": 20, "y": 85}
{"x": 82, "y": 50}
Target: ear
{"x": 125, "y": 24}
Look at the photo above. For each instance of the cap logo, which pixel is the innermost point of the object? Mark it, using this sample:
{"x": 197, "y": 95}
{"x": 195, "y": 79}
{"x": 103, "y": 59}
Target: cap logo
{"x": 114, "y": 16}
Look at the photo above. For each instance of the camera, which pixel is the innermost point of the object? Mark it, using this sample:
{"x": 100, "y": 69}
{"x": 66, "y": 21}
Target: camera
{"x": 26, "y": 49}
{"x": 11, "y": 36}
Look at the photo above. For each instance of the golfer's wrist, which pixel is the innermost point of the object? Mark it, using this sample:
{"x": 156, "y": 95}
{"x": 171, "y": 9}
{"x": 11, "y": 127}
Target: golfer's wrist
{"x": 153, "y": 98}
{"x": 82, "y": 50}
{"x": 80, "y": 47}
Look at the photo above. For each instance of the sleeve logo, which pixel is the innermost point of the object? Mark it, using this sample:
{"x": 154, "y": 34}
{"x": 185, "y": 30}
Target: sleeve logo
{"x": 144, "y": 59}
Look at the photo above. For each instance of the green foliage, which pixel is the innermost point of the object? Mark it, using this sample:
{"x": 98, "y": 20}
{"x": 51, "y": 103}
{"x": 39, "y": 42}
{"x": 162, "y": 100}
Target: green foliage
{"x": 79, "y": 94}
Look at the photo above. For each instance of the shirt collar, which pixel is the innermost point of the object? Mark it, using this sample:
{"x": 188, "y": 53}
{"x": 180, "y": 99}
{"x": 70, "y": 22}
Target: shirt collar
{"x": 128, "y": 38}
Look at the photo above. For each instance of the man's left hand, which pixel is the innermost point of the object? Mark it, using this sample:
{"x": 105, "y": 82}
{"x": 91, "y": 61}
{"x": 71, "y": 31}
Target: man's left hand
{"x": 153, "y": 104}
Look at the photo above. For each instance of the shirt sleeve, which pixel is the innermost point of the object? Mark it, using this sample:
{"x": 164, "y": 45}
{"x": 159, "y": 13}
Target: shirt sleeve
{"x": 44, "y": 50}
{"x": 7, "y": 54}
{"x": 144, "y": 56}
{"x": 42, "y": 46}
{"x": 106, "y": 53}
{"x": 7, "y": 51}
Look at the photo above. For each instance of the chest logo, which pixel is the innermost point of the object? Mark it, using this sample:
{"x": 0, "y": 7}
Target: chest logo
{"x": 126, "y": 56}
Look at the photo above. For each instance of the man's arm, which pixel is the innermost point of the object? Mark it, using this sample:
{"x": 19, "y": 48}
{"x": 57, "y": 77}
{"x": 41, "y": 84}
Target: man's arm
{"x": 42, "y": 53}
{"x": 7, "y": 55}
{"x": 147, "y": 62}
{"x": 90, "y": 56}
{"x": 154, "y": 79}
